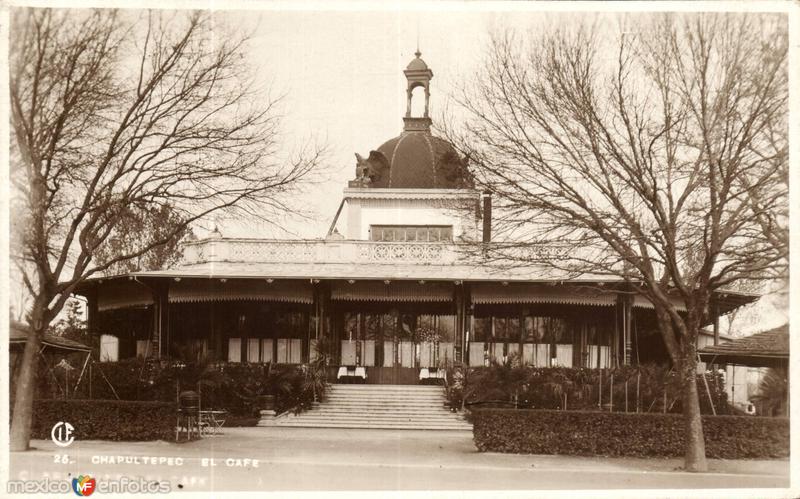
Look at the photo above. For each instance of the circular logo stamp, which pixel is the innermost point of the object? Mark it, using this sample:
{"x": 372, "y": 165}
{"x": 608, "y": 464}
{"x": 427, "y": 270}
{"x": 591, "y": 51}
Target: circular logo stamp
{"x": 62, "y": 434}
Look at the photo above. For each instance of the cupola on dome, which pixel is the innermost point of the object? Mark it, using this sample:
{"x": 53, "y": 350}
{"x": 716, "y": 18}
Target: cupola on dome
{"x": 415, "y": 159}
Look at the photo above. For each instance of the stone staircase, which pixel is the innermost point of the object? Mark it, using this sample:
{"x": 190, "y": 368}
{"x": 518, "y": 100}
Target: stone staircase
{"x": 399, "y": 407}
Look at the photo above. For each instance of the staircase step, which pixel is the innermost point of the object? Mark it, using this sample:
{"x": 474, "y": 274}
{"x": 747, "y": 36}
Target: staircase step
{"x": 375, "y": 400}
{"x": 412, "y": 407}
{"x": 380, "y": 410}
{"x": 373, "y": 426}
{"x": 354, "y": 414}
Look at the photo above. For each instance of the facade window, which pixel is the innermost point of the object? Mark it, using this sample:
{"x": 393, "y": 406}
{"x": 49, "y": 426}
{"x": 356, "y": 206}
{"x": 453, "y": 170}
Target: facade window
{"x": 234, "y": 349}
{"x": 537, "y": 340}
{"x": 289, "y": 329}
{"x": 109, "y": 348}
{"x": 411, "y": 233}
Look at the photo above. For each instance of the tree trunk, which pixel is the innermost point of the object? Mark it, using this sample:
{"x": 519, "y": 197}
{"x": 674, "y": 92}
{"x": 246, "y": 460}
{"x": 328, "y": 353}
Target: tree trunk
{"x": 695, "y": 458}
{"x": 24, "y": 392}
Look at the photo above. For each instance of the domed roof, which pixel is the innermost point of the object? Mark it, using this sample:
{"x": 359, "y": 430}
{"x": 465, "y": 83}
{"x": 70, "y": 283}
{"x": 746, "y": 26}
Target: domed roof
{"x": 417, "y": 64}
{"x": 415, "y": 159}
{"x": 418, "y": 160}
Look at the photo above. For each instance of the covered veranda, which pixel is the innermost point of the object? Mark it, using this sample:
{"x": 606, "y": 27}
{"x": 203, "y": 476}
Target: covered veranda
{"x": 395, "y": 328}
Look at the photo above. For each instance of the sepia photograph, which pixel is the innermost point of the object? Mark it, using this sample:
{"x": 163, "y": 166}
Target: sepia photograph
{"x": 431, "y": 248}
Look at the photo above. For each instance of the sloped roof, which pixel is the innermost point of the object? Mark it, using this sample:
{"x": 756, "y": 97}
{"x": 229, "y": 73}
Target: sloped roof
{"x": 532, "y": 273}
{"x": 18, "y": 334}
{"x": 765, "y": 349}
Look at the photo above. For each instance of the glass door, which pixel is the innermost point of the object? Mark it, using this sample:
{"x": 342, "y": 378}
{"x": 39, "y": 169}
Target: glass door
{"x": 397, "y": 343}
{"x": 358, "y": 342}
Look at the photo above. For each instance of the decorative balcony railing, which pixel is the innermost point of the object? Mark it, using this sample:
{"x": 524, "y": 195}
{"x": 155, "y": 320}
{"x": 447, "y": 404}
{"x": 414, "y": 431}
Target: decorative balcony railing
{"x": 343, "y": 251}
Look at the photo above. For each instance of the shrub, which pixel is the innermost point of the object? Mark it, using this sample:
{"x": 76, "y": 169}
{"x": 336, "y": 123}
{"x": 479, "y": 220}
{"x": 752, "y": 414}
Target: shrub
{"x": 235, "y": 387}
{"x": 106, "y": 419}
{"x": 586, "y": 433}
{"x": 579, "y": 388}
{"x": 773, "y": 393}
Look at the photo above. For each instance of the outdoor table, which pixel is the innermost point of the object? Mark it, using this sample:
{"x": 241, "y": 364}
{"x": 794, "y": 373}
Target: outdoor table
{"x": 213, "y": 420}
{"x": 426, "y": 373}
{"x": 358, "y": 372}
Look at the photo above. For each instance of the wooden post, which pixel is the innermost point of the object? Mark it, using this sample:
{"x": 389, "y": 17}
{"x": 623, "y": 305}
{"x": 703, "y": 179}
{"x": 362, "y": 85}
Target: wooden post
{"x": 615, "y": 342}
{"x": 708, "y": 391}
{"x": 161, "y": 318}
{"x": 611, "y": 394}
{"x": 638, "y": 402}
{"x": 600, "y": 387}
{"x": 626, "y": 328}
{"x": 325, "y": 327}
{"x": 665, "y": 400}
{"x": 458, "y": 294}
{"x": 626, "y": 395}
{"x": 92, "y": 314}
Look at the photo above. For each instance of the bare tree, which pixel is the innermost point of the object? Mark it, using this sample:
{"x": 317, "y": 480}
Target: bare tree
{"x": 114, "y": 111}
{"x": 657, "y": 156}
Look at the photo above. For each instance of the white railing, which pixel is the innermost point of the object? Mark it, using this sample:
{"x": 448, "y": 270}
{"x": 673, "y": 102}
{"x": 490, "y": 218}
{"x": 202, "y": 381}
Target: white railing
{"x": 327, "y": 251}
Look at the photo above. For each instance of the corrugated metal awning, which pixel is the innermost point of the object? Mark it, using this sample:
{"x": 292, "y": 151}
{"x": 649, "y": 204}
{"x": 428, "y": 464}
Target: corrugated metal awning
{"x": 208, "y": 290}
{"x": 494, "y": 293}
{"x": 642, "y": 302}
{"x": 394, "y": 291}
{"x": 124, "y": 294}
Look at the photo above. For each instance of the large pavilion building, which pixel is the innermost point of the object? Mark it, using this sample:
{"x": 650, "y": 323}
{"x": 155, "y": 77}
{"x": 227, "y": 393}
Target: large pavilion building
{"x": 396, "y": 286}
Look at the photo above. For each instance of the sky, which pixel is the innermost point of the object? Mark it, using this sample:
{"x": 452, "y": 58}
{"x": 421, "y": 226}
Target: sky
{"x": 341, "y": 74}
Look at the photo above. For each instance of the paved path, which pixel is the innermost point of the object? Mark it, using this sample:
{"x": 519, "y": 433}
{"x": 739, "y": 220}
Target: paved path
{"x": 337, "y": 459}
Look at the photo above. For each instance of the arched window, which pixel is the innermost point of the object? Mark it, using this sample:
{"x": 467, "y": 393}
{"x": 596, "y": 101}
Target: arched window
{"x": 418, "y": 102}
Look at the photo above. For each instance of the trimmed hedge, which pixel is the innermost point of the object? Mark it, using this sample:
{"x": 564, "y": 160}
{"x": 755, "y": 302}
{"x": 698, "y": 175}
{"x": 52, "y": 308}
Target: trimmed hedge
{"x": 585, "y": 433}
{"x": 106, "y": 419}
{"x": 529, "y": 387}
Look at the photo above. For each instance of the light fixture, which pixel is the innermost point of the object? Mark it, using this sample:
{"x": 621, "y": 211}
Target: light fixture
{"x": 422, "y": 281}
{"x": 177, "y": 279}
{"x": 223, "y": 280}
{"x": 505, "y": 283}
{"x": 351, "y": 281}
{"x": 270, "y": 280}
{"x": 315, "y": 281}
{"x": 387, "y": 281}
